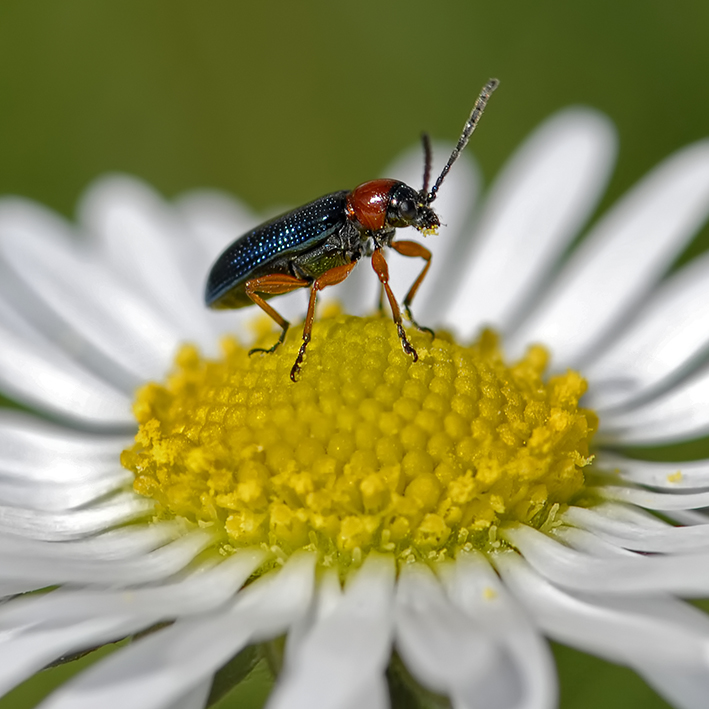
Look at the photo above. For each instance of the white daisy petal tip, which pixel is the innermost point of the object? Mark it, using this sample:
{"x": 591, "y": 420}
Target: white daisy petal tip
{"x": 114, "y": 191}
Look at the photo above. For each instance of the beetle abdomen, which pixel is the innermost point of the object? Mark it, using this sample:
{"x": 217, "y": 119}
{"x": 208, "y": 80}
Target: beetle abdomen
{"x": 259, "y": 248}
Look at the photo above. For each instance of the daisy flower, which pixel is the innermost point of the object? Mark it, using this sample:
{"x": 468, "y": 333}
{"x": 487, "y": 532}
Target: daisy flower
{"x": 383, "y": 531}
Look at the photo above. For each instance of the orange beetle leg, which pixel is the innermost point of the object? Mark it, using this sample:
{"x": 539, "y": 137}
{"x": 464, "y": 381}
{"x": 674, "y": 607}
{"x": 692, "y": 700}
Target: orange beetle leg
{"x": 329, "y": 278}
{"x": 382, "y": 270}
{"x": 272, "y": 284}
{"x": 413, "y": 248}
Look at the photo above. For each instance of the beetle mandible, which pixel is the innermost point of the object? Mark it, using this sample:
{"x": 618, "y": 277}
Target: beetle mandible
{"x": 317, "y": 245}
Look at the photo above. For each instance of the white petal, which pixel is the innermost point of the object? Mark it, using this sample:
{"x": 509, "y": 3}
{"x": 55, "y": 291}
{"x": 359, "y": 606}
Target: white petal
{"x": 121, "y": 543}
{"x": 655, "y": 500}
{"x": 24, "y": 654}
{"x": 685, "y": 688}
{"x": 160, "y": 668}
{"x": 688, "y": 517}
{"x": 671, "y": 330}
{"x": 46, "y": 379}
{"x": 631, "y": 631}
{"x": 147, "y": 244}
{"x": 47, "y": 467}
{"x": 199, "y": 591}
{"x": 527, "y": 679}
{"x": 328, "y": 595}
{"x": 686, "y": 574}
{"x": 154, "y": 566}
{"x": 590, "y": 544}
{"x": 53, "y": 497}
{"x": 620, "y": 261}
{"x": 347, "y": 647}
{"x": 443, "y": 648}
{"x": 373, "y": 695}
{"x": 670, "y": 476}
{"x": 536, "y": 206}
{"x": 680, "y": 414}
{"x": 196, "y": 698}
{"x": 12, "y": 321}
{"x": 612, "y": 512}
{"x": 60, "y": 526}
{"x": 39, "y": 451}
{"x": 74, "y": 300}
{"x": 628, "y": 528}
{"x": 8, "y": 589}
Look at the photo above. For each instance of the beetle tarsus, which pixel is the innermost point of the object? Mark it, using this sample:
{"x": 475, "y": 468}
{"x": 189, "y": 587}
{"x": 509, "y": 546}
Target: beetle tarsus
{"x": 405, "y": 344}
{"x": 421, "y": 328}
{"x": 299, "y": 359}
{"x": 270, "y": 350}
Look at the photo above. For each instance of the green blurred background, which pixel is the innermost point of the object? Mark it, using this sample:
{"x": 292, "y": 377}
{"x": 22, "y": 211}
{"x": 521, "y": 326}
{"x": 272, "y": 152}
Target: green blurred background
{"x": 281, "y": 102}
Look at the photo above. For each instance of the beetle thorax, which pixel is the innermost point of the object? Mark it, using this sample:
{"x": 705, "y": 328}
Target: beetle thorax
{"x": 368, "y": 203}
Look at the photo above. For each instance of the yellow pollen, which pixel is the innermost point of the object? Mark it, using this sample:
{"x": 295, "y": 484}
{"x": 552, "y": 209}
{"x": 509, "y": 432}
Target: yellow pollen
{"x": 368, "y": 451}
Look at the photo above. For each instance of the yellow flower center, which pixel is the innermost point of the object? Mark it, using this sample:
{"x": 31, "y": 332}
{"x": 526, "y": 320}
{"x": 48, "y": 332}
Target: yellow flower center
{"x": 368, "y": 451}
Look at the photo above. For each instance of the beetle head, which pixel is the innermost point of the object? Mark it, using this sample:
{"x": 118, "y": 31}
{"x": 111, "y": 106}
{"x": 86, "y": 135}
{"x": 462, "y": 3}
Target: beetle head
{"x": 408, "y": 207}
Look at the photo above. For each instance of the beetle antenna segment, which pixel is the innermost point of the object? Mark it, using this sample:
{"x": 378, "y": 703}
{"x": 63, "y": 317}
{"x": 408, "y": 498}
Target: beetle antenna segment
{"x": 428, "y": 158}
{"x": 468, "y": 129}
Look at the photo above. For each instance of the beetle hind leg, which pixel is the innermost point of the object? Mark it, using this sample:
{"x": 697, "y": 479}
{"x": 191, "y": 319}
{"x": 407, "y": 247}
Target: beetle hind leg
{"x": 272, "y": 284}
{"x": 329, "y": 278}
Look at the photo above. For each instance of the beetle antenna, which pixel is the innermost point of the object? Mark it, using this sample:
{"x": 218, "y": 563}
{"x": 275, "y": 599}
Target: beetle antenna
{"x": 468, "y": 129}
{"x": 427, "y": 157}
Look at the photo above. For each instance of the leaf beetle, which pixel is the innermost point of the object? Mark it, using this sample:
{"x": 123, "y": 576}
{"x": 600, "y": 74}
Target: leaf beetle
{"x": 317, "y": 245}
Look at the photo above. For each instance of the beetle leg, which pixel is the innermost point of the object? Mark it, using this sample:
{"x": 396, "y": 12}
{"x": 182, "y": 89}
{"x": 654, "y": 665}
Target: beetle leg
{"x": 413, "y": 248}
{"x": 272, "y": 284}
{"x": 380, "y": 304}
{"x": 329, "y": 278}
{"x": 382, "y": 270}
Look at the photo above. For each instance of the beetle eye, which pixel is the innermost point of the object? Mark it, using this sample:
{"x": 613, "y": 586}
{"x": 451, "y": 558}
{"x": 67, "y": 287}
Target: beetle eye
{"x": 407, "y": 209}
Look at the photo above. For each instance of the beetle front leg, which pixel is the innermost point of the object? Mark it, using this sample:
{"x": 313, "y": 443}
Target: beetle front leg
{"x": 329, "y": 278}
{"x": 414, "y": 249}
{"x": 272, "y": 284}
{"x": 380, "y": 267}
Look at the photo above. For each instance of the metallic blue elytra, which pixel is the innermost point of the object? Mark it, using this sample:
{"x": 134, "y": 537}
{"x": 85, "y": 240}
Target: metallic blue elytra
{"x": 268, "y": 248}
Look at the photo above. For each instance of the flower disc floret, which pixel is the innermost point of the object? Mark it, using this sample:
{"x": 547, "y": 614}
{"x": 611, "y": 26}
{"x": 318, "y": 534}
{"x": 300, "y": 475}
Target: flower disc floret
{"x": 368, "y": 450}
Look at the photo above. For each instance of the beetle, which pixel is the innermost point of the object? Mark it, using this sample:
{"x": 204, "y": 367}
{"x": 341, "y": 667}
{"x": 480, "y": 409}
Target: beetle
{"x": 317, "y": 245}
